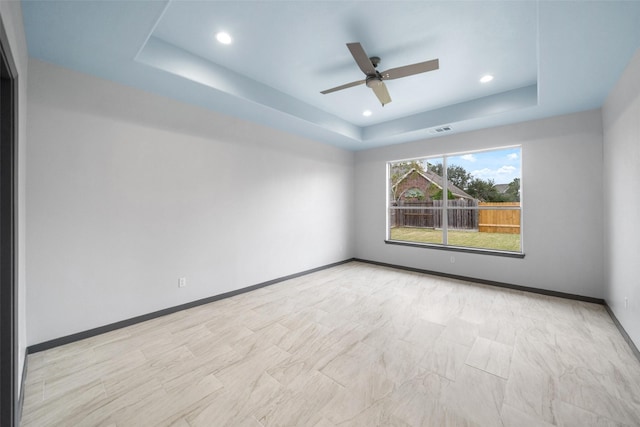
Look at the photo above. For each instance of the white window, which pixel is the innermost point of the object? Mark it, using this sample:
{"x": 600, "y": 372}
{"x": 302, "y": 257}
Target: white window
{"x": 482, "y": 210}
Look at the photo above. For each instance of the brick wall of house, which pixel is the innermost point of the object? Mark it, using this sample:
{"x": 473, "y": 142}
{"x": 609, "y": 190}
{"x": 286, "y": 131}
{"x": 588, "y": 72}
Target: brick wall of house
{"x": 415, "y": 180}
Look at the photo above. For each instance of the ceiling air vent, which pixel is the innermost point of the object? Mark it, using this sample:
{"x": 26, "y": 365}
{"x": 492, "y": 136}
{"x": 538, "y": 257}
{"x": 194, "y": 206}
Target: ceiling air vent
{"x": 441, "y": 129}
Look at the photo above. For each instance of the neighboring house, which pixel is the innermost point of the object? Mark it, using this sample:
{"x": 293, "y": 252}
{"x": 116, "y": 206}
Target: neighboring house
{"x": 422, "y": 186}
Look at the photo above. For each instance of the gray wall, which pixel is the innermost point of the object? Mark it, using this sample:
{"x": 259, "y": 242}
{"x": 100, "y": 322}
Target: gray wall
{"x": 129, "y": 191}
{"x": 11, "y": 15}
{"x": 621, "y": 122}
{"x": 562, "y": 205}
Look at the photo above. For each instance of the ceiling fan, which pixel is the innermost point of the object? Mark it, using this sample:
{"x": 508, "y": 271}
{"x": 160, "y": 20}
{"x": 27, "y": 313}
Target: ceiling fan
{"x": 375, "y": 79}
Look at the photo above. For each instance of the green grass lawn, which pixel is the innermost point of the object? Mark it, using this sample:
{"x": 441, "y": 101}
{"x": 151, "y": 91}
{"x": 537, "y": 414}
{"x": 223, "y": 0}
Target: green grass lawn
{"x": 469, "y": 239}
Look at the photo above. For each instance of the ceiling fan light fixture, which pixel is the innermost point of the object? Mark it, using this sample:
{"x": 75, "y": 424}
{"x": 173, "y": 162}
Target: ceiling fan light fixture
{"x": 224, "y": 37}
{"x": 373, "y": 81}
{"x": 486, "y": 78}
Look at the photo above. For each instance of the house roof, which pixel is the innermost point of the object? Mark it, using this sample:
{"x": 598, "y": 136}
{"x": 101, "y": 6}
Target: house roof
{"x": 501, "y": 188}
{"x": 437, "y": 181}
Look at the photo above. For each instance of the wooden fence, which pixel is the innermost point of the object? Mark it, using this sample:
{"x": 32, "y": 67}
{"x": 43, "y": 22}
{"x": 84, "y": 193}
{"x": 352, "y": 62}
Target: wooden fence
{"x": 428, "y": 215}
{"x": 418, "y": 214}
{"x": 499, "y": 220}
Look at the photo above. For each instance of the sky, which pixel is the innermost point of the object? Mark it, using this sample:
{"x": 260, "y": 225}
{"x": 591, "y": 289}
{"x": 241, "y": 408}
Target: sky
{"x": 502, "y": 166}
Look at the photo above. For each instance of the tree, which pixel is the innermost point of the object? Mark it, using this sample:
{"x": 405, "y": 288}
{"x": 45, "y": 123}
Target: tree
{"x": 438, "y": 195}
{"x": 437, "y": 168}
{"x": 484, "y": 190}
{"x": 457, "y": 175}
{"x": 513, "y": 191}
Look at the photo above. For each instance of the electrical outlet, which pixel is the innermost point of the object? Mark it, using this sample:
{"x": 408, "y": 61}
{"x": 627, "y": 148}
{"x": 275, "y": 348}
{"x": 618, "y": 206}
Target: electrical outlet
{"x": 182, "y": 282}
{"x": 626, "y": 302}
{"x": 453, "y": 260}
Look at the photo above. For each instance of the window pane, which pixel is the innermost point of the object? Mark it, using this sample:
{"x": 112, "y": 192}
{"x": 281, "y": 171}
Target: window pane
{"x": 416, "y": 194}
{"x": 500, "y": 231}
{"x": 489, "y": 176}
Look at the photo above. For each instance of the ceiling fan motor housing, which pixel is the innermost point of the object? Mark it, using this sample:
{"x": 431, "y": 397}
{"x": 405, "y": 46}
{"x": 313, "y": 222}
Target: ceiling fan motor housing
{"x": 373, "y": 81}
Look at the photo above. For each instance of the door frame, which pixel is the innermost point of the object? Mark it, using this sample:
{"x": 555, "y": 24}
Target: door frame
{"x": 8, "y": 235}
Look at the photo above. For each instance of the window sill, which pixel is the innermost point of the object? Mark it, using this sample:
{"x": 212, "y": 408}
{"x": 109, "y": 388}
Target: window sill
{"x": 457, "y": 249}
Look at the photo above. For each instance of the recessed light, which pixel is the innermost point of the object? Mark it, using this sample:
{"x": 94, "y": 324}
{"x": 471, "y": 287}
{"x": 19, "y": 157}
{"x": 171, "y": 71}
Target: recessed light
{"x": 486, "y": 79}
{"x": 367, "y": 113}
{"x": 223, "y": 37}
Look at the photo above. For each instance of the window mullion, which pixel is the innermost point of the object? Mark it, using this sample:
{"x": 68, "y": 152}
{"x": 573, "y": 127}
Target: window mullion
{"x": 445, "y": 201}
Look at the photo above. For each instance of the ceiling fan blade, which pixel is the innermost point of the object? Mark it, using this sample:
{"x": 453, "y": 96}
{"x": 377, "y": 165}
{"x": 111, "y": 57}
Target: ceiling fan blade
{"x": 361, "y": 58}
{"x": 345, "y": 86}
{"x": 409, "y": 70}
{"x": 381, "y": 92}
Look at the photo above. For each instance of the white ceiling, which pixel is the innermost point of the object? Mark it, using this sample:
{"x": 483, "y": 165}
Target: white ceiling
{"x": 547, "y": 58}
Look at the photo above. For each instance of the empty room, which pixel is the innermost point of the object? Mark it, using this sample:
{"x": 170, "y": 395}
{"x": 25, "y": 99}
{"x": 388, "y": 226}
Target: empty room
{"x": 319, "y": 213}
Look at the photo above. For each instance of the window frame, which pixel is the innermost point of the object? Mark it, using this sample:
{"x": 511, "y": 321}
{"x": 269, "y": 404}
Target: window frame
{"x": 445, "y": 208}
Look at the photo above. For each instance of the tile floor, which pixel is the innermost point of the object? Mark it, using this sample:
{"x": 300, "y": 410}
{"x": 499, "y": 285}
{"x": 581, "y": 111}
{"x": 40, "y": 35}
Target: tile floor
{"x": 354, "y": 345}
